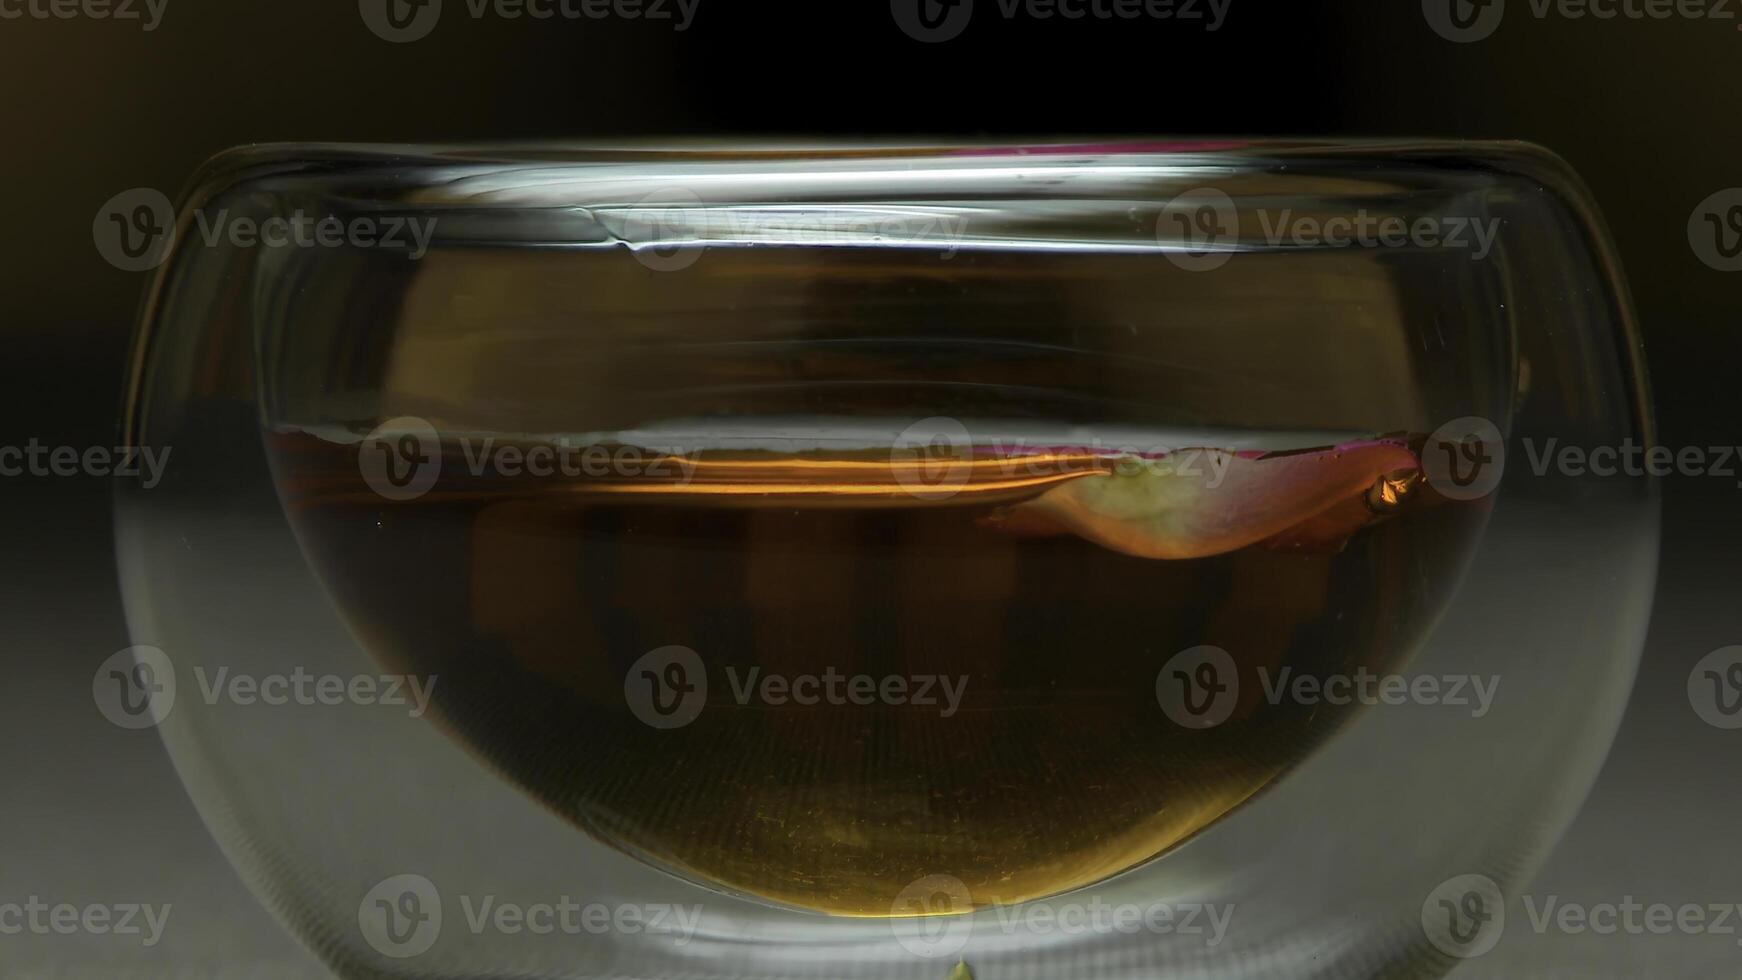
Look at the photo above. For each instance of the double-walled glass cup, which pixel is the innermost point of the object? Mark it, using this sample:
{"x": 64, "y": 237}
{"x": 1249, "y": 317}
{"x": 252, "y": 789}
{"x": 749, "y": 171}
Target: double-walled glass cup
{"x": 1125, "y": 560}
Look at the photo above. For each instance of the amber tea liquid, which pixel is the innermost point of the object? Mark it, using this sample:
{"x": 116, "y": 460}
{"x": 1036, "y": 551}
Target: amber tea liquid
{"x": 1041, "y": 760}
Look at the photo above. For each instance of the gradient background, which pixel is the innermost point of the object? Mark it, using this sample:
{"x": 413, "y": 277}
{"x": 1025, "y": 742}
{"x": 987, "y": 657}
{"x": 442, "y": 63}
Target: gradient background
{"x": 1646, "y": 110}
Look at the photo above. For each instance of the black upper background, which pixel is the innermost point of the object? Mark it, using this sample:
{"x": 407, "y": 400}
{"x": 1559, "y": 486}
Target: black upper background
{"x": 1645, "y": 110}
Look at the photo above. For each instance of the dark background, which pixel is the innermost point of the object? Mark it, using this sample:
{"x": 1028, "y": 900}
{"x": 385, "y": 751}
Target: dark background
{"x": 1646, "y": 110}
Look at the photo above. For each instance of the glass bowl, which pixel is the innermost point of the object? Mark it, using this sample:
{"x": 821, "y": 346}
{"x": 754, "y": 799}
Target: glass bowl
{"x": 1143, "y": 559}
